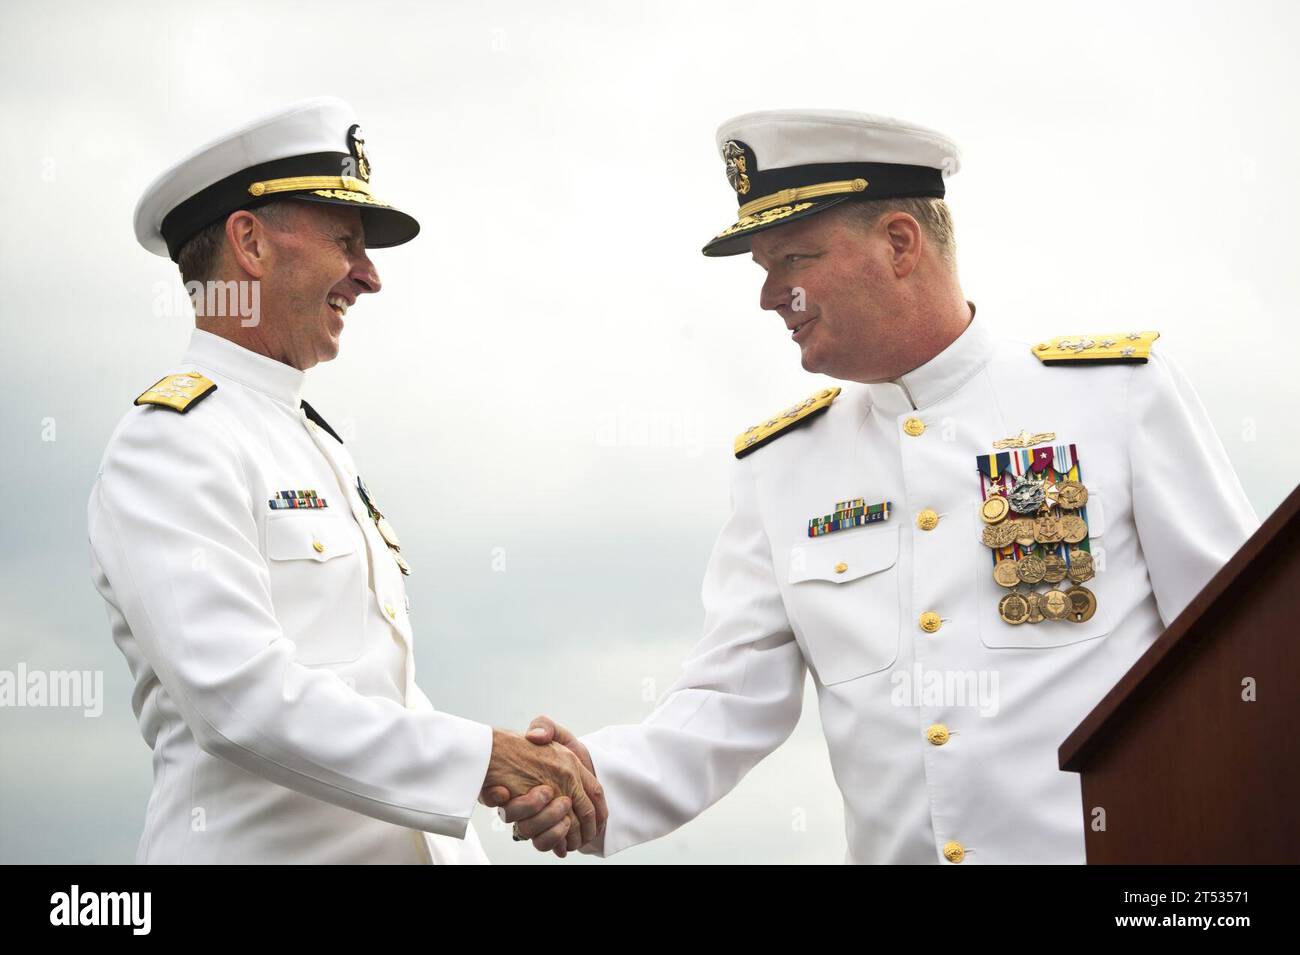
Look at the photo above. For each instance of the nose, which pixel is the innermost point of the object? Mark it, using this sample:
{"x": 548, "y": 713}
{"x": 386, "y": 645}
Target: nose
{"x": 365, "y": 274}
{"x": 774, "y": 293}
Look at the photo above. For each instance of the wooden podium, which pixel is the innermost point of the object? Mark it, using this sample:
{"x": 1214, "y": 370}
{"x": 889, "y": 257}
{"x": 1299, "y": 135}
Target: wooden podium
{"x": 1185, "y": 769}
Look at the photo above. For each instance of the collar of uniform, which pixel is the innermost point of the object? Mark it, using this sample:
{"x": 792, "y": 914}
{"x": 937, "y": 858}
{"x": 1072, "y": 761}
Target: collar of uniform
{"x": 276, "y": 379}
{"x": 939, "y": 377}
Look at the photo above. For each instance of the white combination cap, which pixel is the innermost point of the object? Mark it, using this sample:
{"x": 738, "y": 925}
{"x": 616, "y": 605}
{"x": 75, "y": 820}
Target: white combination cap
{"x": 786, "y": 165}
{"x": 312, "y": 150}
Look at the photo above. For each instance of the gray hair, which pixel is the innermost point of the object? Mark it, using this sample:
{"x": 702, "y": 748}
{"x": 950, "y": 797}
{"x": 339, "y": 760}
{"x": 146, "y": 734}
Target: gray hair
{"x": 198, "y": 257}
{"x": 933, "y": 215}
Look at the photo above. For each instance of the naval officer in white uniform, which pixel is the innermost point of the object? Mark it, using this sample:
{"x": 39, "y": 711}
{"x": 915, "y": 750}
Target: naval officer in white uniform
{"x": 967, "y": 543}
{"x": 253, "y": 583}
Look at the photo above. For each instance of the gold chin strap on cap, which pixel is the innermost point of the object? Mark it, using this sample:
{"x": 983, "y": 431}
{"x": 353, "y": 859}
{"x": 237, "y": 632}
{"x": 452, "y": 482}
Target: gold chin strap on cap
{"x": 299, "y": 183}
{"x": 786, "y": 196}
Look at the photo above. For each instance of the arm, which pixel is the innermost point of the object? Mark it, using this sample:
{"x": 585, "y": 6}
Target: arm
{"x": 175, "y": 544}
{"x": 1191, "y": 512}
{"x": 737, "y": 699}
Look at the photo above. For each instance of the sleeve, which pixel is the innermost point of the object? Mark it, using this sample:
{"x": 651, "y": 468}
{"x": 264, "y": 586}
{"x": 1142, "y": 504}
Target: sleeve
{"x": 1190, "y": 510}
{"x": 175, "y": 541}
{"x": 738, "y": 697}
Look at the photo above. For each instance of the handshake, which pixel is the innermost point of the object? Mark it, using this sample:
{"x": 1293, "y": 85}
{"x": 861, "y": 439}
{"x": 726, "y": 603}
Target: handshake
{"x": 544, "y": 783}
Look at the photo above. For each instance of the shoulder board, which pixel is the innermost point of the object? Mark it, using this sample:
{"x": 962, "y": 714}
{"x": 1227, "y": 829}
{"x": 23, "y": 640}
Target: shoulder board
{"x": 1110, "y": 348}
{"x": 180, "y": 392}
{"x": 770, "y": 430}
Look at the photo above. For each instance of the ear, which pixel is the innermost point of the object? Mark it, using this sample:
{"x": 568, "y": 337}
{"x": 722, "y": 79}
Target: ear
{"x": 248, "y": 243}
{"x": 905, "y": 240}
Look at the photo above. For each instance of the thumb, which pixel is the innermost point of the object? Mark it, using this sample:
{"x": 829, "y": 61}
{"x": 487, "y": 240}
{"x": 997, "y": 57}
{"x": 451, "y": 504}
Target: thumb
{"x": 541, "y": 730}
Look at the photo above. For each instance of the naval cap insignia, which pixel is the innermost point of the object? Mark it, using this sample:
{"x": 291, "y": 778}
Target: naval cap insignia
{"x": 734, "y": 154}
{"x": 357, "y": 147}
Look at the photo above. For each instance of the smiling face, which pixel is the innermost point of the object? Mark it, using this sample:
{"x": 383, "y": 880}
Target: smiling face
{"x": 316, "y": 268}
{"x": 843, "y": 291}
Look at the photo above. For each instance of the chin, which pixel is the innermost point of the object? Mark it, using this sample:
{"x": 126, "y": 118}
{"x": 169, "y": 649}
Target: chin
{"x": 808, "y": 358}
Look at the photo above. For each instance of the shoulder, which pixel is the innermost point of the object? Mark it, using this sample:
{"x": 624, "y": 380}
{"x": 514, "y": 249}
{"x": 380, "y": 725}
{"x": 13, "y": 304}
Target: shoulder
{"x": 178, "y": 391}
{"x": 783, "y": 422}
{"x": 1096, "y": 349}
{"x": 176, "y": 417}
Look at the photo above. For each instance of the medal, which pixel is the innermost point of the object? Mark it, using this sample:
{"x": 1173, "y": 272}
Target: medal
{"x": 1035, "y": 612}
{"x": 1071, "y": 495}
{"x": 1031, "y": 569}
{"x": 1053, "y": 568}
{"x": 1083, "y": 603}
{"x": 1047, "y": 530}
{"x": 1025, "y": 532}
{"x": 1073, "y": 528}
{"x": 999, "y": 535}
{"x": 1054, "y": 604}
{"x": 994, "y": 509}
{"x": 387, "y": 533}
{"x": 1013, "y": 608}
{"x": 1081, "y": 568}
{"x": 1027, "y": 496}
{"x": 1005, "y": 573}
{"x": 385, "y": 529}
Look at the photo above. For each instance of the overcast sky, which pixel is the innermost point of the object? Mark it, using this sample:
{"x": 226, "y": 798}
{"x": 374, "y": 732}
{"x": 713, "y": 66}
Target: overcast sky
{"x": 553, "y": 372}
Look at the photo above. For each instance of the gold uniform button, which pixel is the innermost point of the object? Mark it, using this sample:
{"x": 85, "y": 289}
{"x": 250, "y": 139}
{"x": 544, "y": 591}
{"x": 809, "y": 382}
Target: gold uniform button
{"x": 914, "y": 426}
{"x": 937, "y": 734}
{"x": 927, "y": 520}
{"x": 953, "y": 851}
{"x": 841, "y": 567}
{"x": 388, "y": 609}
{"x": 931, "y": 621}
{"x": 318, "y": 547}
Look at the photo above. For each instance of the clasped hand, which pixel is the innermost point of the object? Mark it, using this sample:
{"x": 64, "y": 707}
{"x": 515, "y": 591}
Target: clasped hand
{"x": 544, "y": 783}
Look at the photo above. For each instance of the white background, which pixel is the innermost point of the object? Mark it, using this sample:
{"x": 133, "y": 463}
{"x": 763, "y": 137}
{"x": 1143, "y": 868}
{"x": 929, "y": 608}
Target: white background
{"x": 553, "y": 373}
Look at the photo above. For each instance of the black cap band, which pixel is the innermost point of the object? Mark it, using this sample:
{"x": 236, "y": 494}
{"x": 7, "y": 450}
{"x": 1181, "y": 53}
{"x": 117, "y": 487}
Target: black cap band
{"x": 230, "y": 194}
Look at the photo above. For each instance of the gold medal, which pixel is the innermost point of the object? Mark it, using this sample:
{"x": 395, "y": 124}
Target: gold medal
{"x": 994, "y": 509}
{"x": 1025, "y": 532}
{"x": 1013, "y": 608}
{"x": 1081, "y": 567}
{"x": 1053, "y": 568}
{"x": 1071, "y": 495}
{"x": 999, "y": 535}
{"x": 387, "y": 533}
{"x": 1047, "y": 530}
{"x": 1035, "y": 612}
{"x": 1054, "y": 604}
{"x": 1073, "y": 528}
{"x": 1083, "y": 603}
{"x": 1005, "y": 573}
{"x": 1030, "y": 569}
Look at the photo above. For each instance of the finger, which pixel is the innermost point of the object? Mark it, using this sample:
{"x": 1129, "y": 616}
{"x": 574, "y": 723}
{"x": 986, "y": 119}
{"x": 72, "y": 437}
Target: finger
{"x": 541, "y": 730}
{"x": 585, "y": 810}
{"x": 546, "y": 819}
{"x": 553, "y": 837}
{"x": 596, "y": 793}
{"x": 527, "y": 805}
{"x": 494, "y": 796}
{"x": 574, "y": 840}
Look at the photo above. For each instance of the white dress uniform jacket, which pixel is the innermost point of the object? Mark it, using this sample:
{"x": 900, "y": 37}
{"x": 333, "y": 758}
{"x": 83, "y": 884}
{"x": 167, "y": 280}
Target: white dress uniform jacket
{"x": 271, "y": 649}
{"x": 1165, "y": 511}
